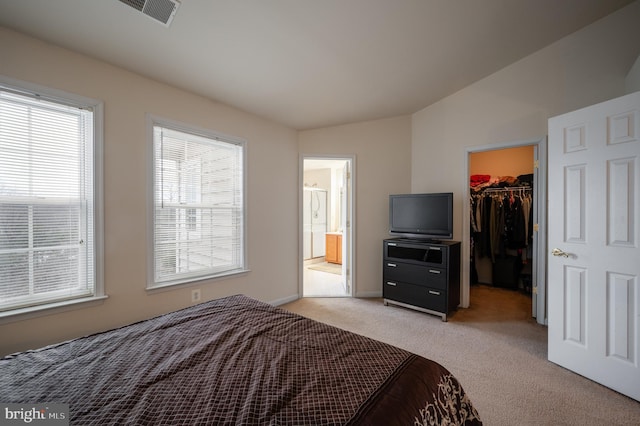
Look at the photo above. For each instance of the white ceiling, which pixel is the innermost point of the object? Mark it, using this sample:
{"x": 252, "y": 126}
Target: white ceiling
{"x": 312, "y": 63}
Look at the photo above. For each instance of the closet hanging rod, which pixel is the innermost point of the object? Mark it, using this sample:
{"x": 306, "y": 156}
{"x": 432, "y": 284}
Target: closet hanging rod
{"x": 506, "y": 188}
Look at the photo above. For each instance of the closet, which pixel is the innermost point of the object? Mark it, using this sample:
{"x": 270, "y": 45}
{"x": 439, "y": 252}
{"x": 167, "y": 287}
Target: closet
{"x": 501, "y": 218}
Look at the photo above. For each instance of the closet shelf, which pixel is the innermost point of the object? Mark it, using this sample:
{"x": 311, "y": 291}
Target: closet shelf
{"x": 505, "y": 189}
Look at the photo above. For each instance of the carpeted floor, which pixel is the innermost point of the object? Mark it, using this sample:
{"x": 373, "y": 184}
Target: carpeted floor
{"x": 496, "y": 350}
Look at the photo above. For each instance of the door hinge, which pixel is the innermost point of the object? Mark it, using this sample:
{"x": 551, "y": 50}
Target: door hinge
{"x": 536, "y": 164}
{"x": 536, "y": 227}
{"x": 534, "y": 290}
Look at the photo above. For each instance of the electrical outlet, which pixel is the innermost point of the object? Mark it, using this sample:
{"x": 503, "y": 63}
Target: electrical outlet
{"x": 195, "y": 295}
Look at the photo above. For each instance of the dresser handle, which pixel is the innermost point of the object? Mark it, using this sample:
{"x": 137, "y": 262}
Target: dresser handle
{"x": 433, "y": 271}
{"x": 391, "y": 283}
{"x": 392, "y": 265}
{"x": 435, "y": 293}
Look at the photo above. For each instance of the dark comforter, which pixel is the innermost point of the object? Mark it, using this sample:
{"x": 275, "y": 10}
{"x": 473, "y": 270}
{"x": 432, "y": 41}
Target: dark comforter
{"x": 235, "y": 361}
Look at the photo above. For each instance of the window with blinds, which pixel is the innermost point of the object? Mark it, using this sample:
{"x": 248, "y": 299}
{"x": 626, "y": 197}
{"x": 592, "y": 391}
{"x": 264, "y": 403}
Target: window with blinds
{"x": 47, "y": 238}
{"x": 198, "y": 205}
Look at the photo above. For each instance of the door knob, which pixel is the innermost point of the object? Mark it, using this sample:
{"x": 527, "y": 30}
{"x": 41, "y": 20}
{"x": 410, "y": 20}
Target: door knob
{"x": 558, "y": 252}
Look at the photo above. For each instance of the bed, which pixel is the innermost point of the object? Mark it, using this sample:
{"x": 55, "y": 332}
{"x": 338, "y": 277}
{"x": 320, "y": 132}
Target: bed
{"x": 237, "y": 361}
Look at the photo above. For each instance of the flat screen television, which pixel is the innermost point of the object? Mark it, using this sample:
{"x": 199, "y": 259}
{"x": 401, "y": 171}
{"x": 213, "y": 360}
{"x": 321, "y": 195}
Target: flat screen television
{"x": 421, "y": 216}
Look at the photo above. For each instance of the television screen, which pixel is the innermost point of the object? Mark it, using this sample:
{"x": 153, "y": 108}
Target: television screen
{"x": 427, "y": 216}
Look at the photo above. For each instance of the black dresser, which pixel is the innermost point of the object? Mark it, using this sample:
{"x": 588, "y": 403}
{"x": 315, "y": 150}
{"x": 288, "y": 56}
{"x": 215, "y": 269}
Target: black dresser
{"x": 422, "y": 275}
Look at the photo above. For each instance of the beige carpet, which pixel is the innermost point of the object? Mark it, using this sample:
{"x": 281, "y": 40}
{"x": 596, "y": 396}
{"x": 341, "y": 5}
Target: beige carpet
{"x": 496, "y": 351}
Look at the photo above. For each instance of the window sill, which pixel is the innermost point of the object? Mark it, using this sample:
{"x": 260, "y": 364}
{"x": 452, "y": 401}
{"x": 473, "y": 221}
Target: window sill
{"x": 173, "y": 285}
{"x": 50, "y": 309}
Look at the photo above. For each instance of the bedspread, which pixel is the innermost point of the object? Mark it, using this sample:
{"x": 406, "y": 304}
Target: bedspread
{"x": 235, "y": 361}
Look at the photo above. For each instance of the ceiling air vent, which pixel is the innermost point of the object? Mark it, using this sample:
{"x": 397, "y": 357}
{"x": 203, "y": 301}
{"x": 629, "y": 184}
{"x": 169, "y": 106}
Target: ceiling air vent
{"x": 162, "y": 11}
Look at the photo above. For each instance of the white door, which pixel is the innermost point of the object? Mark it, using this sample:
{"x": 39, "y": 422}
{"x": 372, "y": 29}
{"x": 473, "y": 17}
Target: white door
{"x": 593, "y": 243}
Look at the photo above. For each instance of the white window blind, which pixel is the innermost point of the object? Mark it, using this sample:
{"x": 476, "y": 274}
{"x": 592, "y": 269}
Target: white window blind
{"x": 198, "y": 223}
{"x": 46, "y": 201}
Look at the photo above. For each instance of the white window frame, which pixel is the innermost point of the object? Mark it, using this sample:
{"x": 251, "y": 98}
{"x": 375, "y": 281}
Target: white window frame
{"x": 98, "y": 295}
{"x": 152, "y": 283}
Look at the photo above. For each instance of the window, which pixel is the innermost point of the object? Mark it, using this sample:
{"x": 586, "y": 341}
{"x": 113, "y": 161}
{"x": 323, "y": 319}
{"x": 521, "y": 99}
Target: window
{"x": 49, "y": 251}
{"x": 198, "y": 205}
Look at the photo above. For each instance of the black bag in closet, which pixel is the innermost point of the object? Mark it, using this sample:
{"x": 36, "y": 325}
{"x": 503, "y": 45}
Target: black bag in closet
{"x": 506, "y": 271}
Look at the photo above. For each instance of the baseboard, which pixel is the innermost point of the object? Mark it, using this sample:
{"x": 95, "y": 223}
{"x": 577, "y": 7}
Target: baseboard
{"x": 293, "y": 298}
{"x": 284, "y": 300}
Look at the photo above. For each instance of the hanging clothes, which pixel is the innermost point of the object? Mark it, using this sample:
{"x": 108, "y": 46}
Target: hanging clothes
{"x": 500, "y": 220}
{"x": 501, "y": 230}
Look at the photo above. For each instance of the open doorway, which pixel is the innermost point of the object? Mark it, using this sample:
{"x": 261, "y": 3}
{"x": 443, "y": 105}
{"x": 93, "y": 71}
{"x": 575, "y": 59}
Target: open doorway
{"x": 512, "y": 172}
{"x": 326, "y": 230}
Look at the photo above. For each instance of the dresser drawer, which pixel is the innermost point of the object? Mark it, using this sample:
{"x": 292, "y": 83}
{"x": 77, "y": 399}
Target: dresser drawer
{"x": 417, "y": 295}
{"x": 415, "y": 274}
{"x": 422, "y": 254}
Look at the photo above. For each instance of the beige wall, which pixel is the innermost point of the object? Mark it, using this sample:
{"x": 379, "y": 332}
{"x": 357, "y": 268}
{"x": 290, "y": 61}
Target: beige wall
{"x": 514, "y": 104}
{"x": 382, "y": 150}
{"x": 272, "y": 191}
{"x": 420, "y": 153}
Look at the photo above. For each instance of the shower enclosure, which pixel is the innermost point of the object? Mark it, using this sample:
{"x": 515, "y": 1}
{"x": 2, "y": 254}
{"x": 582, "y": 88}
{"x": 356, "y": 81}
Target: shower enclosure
{"x": 314, "y": 217}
